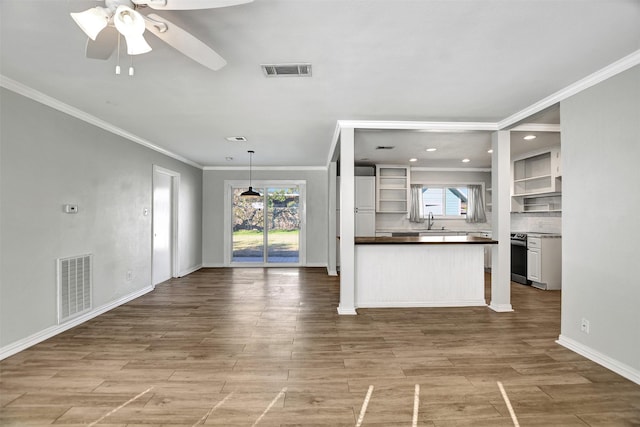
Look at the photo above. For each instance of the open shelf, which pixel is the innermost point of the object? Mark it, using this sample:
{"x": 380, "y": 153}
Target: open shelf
{"x": 392, "y": 189}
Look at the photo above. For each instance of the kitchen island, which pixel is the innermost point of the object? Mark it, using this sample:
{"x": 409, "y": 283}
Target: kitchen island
{"x": 420, "y": 271}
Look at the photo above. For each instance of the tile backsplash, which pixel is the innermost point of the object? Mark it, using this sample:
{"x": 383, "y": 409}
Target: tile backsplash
{"x": 537, "y": 222}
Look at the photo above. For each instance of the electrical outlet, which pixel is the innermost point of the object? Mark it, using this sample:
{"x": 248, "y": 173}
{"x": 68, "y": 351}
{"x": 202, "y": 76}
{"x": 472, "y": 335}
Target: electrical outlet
{"x": 584, "y": 326}
{"x": 129, "y": 276}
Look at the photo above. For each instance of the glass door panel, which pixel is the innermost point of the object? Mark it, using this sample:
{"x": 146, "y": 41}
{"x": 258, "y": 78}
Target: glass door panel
{"x": 283, "y": 225}
{"x": 248, "y": 227}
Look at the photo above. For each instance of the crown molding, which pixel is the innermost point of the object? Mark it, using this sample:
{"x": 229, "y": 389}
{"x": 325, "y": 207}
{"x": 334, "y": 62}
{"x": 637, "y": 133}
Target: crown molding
{"x": 536, "y": 127}
{"x": 418, "y": 126}
{"x": 265, "y": 168}
{"x": 56, "y": 104}
{"x": 599, "y": 76}
{"x": 429, "y": 169}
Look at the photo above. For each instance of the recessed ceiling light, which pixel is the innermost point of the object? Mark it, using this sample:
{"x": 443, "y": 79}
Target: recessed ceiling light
{"x": 530, "y": 137}
{"x": 236, "y": 139}
{"x": 466, "y": 160}
{"x": 413, "y": 159}
{"x": 431, "y": 149}
{"x": 490, "y": 150}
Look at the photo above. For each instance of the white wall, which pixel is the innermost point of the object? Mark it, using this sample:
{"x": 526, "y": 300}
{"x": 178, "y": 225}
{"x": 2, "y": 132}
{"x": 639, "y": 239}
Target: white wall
{"x": 601, "y": 205}
{"x": 213, "y": 213}
{"x": 49, "y": 159}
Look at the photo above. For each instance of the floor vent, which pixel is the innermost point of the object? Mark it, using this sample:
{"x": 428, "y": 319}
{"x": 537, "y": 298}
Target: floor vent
{"x": 74, "y": 286}
{"x": 286, "y": 70}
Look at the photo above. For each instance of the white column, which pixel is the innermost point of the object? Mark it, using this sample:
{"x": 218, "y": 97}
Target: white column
{"x": 331, "y": 253}
{"x": 501, "y": 221}
{"x": 347, "y": 222}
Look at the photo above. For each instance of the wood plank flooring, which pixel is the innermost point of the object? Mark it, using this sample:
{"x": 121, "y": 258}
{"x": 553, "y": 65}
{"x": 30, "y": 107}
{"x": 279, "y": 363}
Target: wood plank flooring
{"x": 266, "y": 347}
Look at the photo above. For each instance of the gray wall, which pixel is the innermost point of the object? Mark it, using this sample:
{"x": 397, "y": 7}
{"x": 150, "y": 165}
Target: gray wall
{"x": 48, "y": 159}
{"x": 601, "y": 204}
{"x": 213, "y": 214}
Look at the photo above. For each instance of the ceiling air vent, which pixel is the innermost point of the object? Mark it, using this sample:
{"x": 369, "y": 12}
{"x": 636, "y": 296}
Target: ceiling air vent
{"x": 385, "y": 147}
{"x": 236, "y": 138}
{"x": 286, "y": 70}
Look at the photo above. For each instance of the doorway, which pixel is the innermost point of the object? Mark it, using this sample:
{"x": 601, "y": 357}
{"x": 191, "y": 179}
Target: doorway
{"x": 266, "y": 230}
{"x": 164, "y": 228}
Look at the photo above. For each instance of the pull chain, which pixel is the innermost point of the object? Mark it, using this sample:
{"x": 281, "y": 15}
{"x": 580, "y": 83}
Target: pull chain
{"x": 118, "y": 60}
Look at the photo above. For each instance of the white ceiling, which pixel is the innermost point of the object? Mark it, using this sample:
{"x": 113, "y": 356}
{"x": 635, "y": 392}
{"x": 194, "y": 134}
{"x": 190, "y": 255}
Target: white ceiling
{"x": 480, "y": 60}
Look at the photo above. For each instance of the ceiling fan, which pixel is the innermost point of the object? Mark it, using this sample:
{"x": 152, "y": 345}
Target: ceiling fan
{"x": 103, "y": 25}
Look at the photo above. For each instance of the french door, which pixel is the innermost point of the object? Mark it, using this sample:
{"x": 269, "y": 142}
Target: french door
{"x": 266, "y": 229}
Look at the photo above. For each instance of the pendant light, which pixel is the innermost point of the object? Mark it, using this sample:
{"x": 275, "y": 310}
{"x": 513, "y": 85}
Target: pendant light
{"x": 250, "y": 192}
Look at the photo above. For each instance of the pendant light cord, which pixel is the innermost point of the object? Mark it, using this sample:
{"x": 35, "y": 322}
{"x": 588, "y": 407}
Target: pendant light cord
{"x": 250, "y": 166}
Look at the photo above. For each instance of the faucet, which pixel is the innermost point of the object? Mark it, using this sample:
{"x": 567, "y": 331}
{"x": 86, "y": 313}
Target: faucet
{"x": 430, "y": 221}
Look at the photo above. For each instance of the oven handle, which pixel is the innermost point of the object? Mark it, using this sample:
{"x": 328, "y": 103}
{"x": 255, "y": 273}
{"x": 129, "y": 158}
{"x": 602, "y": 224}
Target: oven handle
{"x": 519, "y": 243}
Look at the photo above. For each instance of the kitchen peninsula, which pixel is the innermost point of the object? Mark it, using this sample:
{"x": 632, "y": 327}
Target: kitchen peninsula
{"x": 420, "y": 271}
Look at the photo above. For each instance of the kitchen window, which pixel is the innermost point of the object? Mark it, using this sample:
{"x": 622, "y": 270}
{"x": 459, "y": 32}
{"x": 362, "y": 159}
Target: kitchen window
{"x": 445, "y": 201}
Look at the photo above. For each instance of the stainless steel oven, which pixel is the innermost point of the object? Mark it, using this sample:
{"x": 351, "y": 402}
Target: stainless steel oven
{"x": 519, "y": 258}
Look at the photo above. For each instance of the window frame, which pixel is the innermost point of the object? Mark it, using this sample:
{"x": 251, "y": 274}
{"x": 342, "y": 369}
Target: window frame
{"x": 424, "y": 211}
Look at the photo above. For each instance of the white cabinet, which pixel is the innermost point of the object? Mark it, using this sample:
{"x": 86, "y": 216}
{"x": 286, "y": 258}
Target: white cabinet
{"x": 544, "y": 262}
{"x": 537, "y": 183}
{"x": 365, "y": 224}
{"x": 533, "y": 264}
{"x": 365, "y": 205}
{"x": 365, "y": 193}
{"x": 393, "y": 188}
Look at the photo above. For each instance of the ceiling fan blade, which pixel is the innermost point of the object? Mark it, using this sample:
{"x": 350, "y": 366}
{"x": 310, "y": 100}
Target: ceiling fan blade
{"x": 104, "y": 44}
{"x": 184, "y": 42}
{"x": 188, "y": 4}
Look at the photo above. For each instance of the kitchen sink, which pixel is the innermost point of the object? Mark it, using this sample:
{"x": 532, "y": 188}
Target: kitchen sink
{"x": 405, "y": 234}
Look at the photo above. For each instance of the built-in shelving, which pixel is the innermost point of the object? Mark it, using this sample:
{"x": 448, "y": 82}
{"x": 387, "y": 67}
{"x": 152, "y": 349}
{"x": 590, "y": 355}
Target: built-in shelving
{"x": 537, "y": 182}
{"x": 392, "y": 189}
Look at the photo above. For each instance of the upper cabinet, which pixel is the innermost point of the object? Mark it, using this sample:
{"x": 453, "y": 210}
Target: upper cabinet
{"x": 392, "y": 189}
{"x": 537, "y": 182}
{"x": 365, "y": 193}
{"x": 537, "y": 173}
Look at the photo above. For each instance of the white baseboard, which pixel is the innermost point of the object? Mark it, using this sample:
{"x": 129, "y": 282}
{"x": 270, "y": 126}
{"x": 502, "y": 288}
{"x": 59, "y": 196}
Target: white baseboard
{"x": 347, "y": 311}
{"x": 316, "y": 264}
{"x": 23, "y": 344}
{"x": 413, "y": 304}
{"x": 222, "y": 265}
{"x": 501, "y": 308}
{"x": 618, "y": 367}
{"x": 332, "y": 272}
{"x": 190, "y": 270}
{"x": 213, "y": 265}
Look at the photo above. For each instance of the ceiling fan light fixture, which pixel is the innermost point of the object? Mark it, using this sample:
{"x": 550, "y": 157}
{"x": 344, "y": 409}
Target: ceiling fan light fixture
{"x": 92, "y": 21}
{"x": 131, "y": 25}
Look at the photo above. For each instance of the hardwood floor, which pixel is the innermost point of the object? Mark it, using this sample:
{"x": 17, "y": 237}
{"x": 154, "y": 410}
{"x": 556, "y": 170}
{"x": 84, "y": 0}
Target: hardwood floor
{"x": 247, "y": 347}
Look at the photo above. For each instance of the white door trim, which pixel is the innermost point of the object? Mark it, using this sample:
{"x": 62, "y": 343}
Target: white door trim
{"x": 175, "y": 198}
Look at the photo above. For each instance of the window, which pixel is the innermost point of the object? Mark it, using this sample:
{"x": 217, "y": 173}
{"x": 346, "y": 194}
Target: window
{"x": 444, "y": 200}
{"x": 268, "y": 229}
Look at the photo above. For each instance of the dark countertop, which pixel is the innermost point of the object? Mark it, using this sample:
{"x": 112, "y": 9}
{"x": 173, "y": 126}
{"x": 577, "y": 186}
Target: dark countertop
{"x": 425, "y": 240}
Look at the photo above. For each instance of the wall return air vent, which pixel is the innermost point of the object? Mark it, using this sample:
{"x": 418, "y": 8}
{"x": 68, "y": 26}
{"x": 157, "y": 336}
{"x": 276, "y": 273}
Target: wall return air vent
{"x": 74, "y": 286}
{"x": 287, "y": 70}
